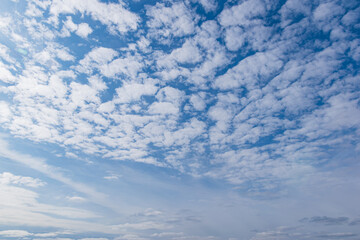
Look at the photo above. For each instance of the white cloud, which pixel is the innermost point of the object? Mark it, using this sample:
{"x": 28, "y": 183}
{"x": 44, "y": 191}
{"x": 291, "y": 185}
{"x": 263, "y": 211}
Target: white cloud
{"x": 128, "y": 66}
{"x": 222, "y": 116}
{"x": 250, "y": 72}
{"x": 5, "y": 74}
{"x": 215, "y": 54}
{"x": 15, "y": 233}
{"x": 176, "y": 20}
{"x": 351, "y": 17}
{"x": 112, "y": 177}
{"x": 143, "y": 225}
{"x": 19, "y": 205}
{"x": 22, "y": 233}
{"x": 58, "y": 238}
{"x": 170, "y": 94}
{"x": 114, "y": 16}
{"x": 9, "y": 178}
{"x": 340, "y": 114}
{"x": 257, "y": 100}
{"x": 260, "y": 83}
{"x": 40, "y": 165}
{"x": 106, "y": 107}
{"x": 82, "y": 29}
{"x": 234, "y": 38}
{"x": 327, "y": 11}
{"x": 5, "y": 112}
{"x": 243, "y": 14}
{"x": 95, "y": 58}
{"x": 93, "y": 239}
{"x": 163, "y": 108}
{"x": 69, "y": 24}
{"x": 151, "y": 212}
{"x": 188, "y": 53}
{"x": 5, "y": 22}
{"x": 4, "y": 54}
{"x": 76, "y": 199}
{"x": 33, "y": 10}
{"x": 197, "y": 101}
{"x": 82, "y": 93}
{"x": 293, "y": 7}
{"x": 185, "y": 135}
{"x": 168, "y": 234}
{"x": 326, "y": 15}
{"x": 355, "y": 50}
{"x": 133, "y": 92}
{"x": 47, "y": 57}
{"x": 208, "y": 5}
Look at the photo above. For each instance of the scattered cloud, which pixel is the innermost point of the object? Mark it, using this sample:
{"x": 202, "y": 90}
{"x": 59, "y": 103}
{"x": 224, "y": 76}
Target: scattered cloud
{"x": 257, "y": 96}
{"x": 9, "y": 178}
{"x": 15, "y": 233}
{"x": 76, "y": 199}
{"x": 166, "y": 21}
{"x": 117, "y": 18}
{"x": 330, "y": 220}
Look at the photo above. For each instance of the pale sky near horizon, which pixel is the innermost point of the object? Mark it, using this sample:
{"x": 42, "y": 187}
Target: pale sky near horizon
{"x": 179, "y": 120}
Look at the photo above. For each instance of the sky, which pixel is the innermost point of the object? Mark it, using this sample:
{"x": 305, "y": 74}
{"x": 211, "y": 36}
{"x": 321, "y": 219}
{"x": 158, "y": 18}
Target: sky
{"x": 179, "y": 120}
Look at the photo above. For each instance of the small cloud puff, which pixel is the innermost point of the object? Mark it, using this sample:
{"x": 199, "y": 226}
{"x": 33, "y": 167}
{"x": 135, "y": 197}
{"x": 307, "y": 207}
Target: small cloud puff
{"x": 9, "y": 178}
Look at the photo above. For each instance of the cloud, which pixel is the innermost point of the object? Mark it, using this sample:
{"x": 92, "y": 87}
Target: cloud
{"x": 197, "y": 101}
{"x": 351, "y": 17}
{"x": 287, "y": 233}
{"x": 111, "y": 177}
{"x": 188, "y": 53}
{"x": 5, "y": 54}
{"x": 76, "y": 199}
{"x": 253, "y": 95}
{"x": 176, "y": 20}
{"x": 337, "y": 235}
{"x": 237, "y": 108}
{"x": 128, "y": 66}
{"x": 95, "y": 58}
{"x": 133, "y": 92}
{"x": 94, "y": 239}
{"x": 208, "y": 5}
{"x": 326, "y": 13}
{"x": 24, "y": 202}
{"x": 5, "y": 112}
{"x": 82, "y": 29}
{"x": 23, "y": 234}
{"x": 329, "y": 221}
{"x": 40, "y": 165}
{"x": 142, "y": 226}
{"x": 5, "y": 74}
{"x": 117, "y": 18}
{"x": 243, "y": 14}
{"x": 234, "y": 38}
{"x": 9, "y": 178}
{"x": 15, "y": 233}
{"x": 263, "y": 66}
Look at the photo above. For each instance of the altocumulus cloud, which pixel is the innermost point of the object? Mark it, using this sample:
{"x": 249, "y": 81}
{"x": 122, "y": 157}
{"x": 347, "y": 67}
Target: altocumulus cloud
{"x": 256, "y": 98}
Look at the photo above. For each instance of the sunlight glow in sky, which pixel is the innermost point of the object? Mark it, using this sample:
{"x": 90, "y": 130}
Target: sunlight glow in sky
{"x": 179, "y": 120}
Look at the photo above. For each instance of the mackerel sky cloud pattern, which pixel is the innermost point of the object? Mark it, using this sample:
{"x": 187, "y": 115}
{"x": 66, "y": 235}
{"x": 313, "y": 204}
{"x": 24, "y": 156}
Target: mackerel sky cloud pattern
{"x": 179, "y": 119}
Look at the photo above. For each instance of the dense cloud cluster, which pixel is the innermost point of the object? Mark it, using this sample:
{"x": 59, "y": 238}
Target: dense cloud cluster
{"x": 256, "y": 93}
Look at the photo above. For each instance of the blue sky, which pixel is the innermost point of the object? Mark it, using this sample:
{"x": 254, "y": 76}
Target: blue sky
{"x": 194, "y": 119}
